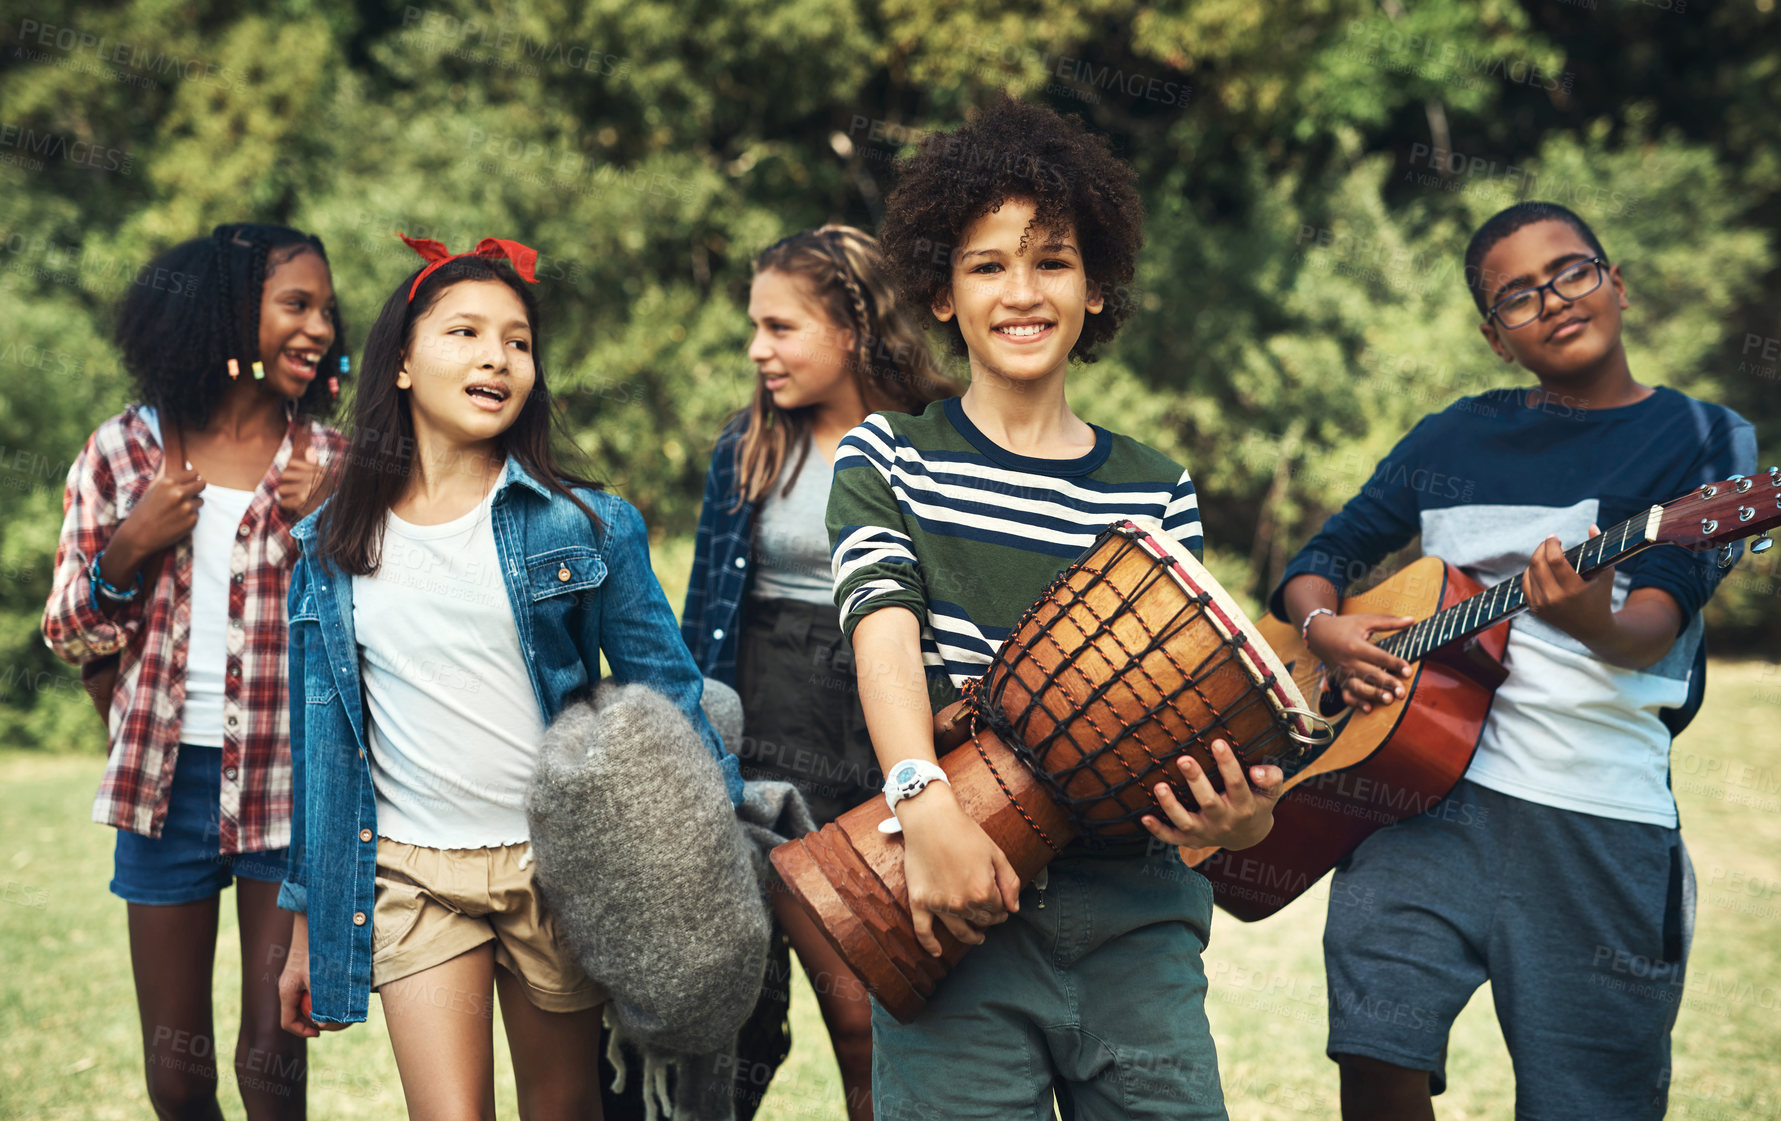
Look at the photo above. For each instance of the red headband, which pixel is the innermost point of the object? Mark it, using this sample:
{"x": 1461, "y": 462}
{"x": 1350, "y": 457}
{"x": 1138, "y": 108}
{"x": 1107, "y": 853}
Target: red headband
{"x": 525, "y": 260}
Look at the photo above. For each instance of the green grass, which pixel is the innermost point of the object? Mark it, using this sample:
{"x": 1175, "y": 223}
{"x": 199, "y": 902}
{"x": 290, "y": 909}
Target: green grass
{"x": 69, "y": 1045}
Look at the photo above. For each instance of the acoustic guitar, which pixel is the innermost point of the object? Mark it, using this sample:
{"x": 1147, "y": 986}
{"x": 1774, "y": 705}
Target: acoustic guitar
{"x": 1402, "y": 759}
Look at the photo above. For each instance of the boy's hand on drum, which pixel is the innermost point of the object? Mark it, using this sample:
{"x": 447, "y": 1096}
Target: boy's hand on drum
{"x": 956, "y": 874}
{"x": 1236, "y": 818}
{"x": 1367, "y": 675}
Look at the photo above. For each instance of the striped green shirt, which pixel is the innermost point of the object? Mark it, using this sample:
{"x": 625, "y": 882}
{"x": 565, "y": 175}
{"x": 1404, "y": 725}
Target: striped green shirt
{"x": 928, "y": 513}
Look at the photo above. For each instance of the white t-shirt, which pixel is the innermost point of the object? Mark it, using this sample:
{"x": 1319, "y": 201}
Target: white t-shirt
{"x": 207, "y": 652}
{"x": 453, "y": 720}
{"x": 1566, "y": 728}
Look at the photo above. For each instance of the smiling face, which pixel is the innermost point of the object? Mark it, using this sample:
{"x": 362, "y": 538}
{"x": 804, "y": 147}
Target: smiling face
{"x": 800, "y": 353}
{"x": 296, "y": 321}
{"x": 1020, "y": 311}
{"x": 1570, "y": 338}
{"x": 468, "y": 367}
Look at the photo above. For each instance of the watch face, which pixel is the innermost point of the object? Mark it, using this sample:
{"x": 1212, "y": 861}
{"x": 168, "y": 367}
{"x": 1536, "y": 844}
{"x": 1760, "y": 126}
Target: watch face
{"x": 904, "y": 775}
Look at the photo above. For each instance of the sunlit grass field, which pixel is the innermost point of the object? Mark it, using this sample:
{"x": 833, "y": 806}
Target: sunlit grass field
{"x": 69, "y": 1045}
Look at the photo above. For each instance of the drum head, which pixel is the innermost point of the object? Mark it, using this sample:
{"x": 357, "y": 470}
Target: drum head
{"x": 1283, "y": 694}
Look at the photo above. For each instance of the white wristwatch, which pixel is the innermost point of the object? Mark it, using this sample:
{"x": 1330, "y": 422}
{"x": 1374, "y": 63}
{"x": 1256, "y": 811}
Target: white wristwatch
{"x": 906, "y": 780}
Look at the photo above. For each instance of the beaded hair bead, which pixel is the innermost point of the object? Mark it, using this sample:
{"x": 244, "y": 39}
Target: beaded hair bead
{"x": 259, "y": 371}
{"x": 234, "y": 369}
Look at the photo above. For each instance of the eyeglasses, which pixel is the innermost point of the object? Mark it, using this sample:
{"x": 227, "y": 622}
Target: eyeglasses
{"x": 1529, "y": 304}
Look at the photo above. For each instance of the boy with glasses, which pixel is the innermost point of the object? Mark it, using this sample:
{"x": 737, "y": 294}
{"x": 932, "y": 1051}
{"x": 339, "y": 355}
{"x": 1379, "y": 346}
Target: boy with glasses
{"x": 1555, "y": 868}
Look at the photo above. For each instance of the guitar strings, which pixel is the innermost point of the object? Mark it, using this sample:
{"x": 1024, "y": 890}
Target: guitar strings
{"x": 1499, "y": 601}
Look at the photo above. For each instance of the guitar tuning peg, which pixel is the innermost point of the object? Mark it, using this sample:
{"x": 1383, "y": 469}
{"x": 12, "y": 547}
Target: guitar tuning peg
{"x": 1761, "y": 545}
{"x": 1725, "y": 556}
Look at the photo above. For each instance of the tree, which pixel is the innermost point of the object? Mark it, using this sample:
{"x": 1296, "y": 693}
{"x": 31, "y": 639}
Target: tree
{"x": 1311, "y": 172}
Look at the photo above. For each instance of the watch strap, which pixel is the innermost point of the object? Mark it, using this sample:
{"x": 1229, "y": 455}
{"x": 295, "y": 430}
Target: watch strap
{"x": 910, "y": 777}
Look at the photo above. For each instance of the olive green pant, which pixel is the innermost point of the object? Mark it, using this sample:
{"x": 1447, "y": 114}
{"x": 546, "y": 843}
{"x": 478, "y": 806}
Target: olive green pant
{"x": 1094, "y": 987}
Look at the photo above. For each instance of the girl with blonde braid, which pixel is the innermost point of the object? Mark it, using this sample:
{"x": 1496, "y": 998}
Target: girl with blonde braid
{"x": 831, "y": 344}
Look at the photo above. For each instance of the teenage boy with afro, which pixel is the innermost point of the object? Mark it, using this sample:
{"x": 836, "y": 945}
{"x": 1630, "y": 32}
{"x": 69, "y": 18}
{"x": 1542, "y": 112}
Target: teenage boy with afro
{"x": 1556, "y": 862}
{"x": 1018, "y": 229}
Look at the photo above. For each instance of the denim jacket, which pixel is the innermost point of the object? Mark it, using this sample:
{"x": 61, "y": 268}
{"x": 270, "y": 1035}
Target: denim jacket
{"x": 711, "y": 622}
{"x": 609, "y": 602}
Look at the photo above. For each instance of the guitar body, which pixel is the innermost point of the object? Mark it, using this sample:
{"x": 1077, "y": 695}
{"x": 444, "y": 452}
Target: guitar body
{"x": 1386, "y": 765}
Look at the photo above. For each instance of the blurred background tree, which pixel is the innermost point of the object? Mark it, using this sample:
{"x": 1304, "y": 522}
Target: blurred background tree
{"x": 1311, "y": 172}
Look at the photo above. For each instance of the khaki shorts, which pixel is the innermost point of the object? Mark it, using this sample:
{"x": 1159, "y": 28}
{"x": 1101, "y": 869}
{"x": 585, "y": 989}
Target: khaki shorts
{"x": 434, "y": 904}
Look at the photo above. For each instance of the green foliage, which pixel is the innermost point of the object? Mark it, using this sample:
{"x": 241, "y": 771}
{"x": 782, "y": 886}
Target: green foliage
{"x": 1311, "y": 172}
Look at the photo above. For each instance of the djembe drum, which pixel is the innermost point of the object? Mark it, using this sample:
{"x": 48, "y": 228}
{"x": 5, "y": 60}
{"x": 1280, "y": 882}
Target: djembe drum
{"x": 1132, "y": 657}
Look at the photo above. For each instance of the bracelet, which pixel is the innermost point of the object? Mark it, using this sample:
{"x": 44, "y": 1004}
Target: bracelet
{"x": 101, "y": 588}
{"x": 1305, "y": 627}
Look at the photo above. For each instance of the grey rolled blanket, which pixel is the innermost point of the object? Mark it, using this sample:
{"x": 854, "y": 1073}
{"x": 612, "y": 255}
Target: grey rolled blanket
{"x": 659, "y": 882}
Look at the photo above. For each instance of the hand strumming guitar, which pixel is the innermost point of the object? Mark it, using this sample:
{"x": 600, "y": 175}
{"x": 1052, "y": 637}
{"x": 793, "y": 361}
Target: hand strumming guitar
{"x": 1366, "y": 675}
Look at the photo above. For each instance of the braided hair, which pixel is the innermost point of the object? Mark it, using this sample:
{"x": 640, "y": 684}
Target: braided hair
{"x": 844, "y": 271}
{"x": 196, "y": 306}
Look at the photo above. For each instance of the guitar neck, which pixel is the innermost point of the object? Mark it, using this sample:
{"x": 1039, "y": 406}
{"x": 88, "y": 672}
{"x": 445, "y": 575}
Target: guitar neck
{"x": 1507, "y": 600}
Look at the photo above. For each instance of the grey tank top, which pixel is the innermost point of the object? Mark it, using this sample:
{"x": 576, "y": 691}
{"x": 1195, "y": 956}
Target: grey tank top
{"x": 791, "y": 540}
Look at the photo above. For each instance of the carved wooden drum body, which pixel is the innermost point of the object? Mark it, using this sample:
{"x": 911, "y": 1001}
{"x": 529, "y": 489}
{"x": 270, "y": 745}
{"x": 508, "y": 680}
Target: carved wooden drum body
{"x": 1133, "y": 656}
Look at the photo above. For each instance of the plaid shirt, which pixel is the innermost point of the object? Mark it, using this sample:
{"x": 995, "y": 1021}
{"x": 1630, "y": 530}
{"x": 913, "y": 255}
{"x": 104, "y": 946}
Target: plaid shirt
{"x": 711, "y": 622}
{"x": 153, "y": 631}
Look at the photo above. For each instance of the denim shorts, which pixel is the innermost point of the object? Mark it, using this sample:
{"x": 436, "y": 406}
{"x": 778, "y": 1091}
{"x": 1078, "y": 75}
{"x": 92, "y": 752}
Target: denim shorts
{"x": 1093, "y": 988}
{"x": 185, "y": 863}
{"x": 1580, "y": 923}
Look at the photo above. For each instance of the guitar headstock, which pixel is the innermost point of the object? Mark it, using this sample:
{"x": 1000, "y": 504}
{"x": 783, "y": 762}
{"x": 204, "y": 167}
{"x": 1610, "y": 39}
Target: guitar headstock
{"x": 1721, "y": 513}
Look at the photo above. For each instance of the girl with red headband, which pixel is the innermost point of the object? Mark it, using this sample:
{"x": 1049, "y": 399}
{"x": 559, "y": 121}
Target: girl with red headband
{"x": 169, "y": 592}
{"x": 457, "y": 591}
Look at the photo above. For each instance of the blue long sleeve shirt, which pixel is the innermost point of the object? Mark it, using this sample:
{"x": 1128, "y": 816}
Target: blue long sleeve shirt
{"x": 1484, "y": 482}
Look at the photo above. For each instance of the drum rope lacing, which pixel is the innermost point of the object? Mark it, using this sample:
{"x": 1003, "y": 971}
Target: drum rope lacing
{"x": 1007, "y": 793}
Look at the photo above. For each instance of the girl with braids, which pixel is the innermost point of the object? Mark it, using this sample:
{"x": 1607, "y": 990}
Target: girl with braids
{"x": 172, "y": 567}
{"x": 831, "y": 344}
